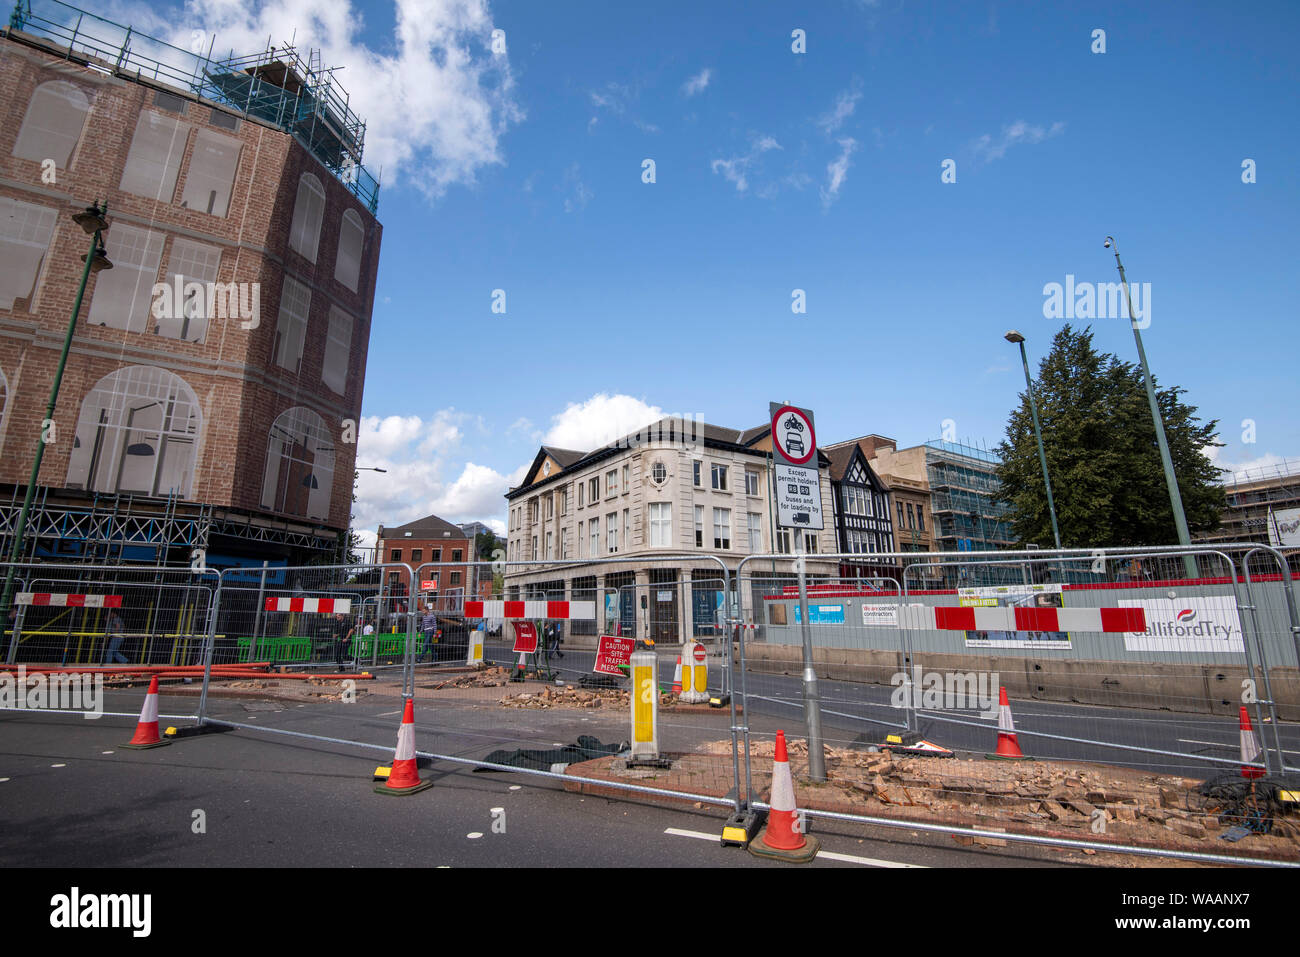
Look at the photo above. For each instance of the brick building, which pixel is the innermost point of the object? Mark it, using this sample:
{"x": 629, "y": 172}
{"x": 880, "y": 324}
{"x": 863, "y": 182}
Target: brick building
{"x": 429, "y": 540}
{"x": 214, "y": 383}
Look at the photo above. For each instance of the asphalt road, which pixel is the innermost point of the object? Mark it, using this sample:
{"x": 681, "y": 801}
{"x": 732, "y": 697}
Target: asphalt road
{"x": 270, "y": 801}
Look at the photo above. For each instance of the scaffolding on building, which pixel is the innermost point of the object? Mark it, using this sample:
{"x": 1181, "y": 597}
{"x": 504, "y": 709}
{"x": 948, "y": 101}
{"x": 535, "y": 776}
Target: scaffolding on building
{"x": 277, "y": 86}
{"x": 1254, "y": 497}
{"x": 70, "y": 526}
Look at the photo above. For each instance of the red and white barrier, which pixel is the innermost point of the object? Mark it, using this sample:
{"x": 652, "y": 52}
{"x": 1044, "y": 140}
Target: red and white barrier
{"x": 562, "y": 610}
{"x": 948, "y": 618}
{"x": 40, "y": 598}
{"x": 323, "y": 606}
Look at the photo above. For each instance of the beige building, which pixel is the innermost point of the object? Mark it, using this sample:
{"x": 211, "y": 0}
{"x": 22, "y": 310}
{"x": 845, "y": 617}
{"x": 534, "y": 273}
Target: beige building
{"x": 676, "y": 488}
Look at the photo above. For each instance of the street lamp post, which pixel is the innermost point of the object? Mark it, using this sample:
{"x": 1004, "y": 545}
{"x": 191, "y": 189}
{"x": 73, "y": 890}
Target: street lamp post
{"x": 356, "y": 469}
{"x": 1016, "y": 337}
{"x": 93, "y": 223}
{"x": 1175, "y": 499}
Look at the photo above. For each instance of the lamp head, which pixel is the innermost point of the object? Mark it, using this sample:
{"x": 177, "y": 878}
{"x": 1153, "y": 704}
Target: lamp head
{"x": 1014, "y": 336}
{"x": 91, "y": 220}
{"x": 1110, "y": 241}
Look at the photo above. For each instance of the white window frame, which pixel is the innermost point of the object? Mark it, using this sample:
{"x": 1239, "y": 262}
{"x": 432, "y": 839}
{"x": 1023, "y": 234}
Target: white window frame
{"x": 699, "y": 526}
{"x": 210, "y": 178}
{"x": 755, "y": 532}
{"x": 291, "y": 324}
{"x": 153, "y": 161}
{"x": 751, "y": 482}
{"x": 661, "y": 524}
{"x": 192, "y": 262}
{"x": 352, "y": 244}
{"x": 123, "y": 297}
{"x": 611, "y": 532}
{"x": 25, "y": 233}
{"x": 308, "y": 216}
{"x": 719, "y": 473}
{"x": 722, "y": 529}
{"x": 53, "y": 124}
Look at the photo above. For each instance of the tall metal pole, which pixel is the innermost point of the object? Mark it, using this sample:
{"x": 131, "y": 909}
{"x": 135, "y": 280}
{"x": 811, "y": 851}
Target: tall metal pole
{"x": 1175, "y": 499}
{"x": 1038, "y": 434}
{"x": 812, "y": 705}
{"x": 21, "y": 528}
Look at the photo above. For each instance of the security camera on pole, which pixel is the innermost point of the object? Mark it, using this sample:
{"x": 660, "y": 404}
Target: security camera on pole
{"x": 799, "y": 508}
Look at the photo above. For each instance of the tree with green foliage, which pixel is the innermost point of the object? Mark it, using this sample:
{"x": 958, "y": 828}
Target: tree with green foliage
{"x": 1107, "y": 480}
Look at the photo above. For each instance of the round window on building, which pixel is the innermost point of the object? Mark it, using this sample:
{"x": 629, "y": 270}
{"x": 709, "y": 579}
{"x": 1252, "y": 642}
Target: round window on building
{"x": 659, "y": 473}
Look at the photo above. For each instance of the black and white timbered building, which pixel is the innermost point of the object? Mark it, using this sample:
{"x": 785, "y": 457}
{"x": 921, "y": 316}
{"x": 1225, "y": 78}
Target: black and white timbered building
{"x": 862, "y": 515}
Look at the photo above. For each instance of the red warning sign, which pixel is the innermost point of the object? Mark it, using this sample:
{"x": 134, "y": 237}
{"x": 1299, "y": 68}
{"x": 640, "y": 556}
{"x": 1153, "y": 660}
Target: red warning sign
{"x": 525, "y": 637}
{"x": 699, "y": 653}
{"x": 613, "y": 652}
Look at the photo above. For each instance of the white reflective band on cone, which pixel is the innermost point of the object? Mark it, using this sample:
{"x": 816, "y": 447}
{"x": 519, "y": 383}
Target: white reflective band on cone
{"x": 1004, "y": 719}
{"x": 150, "y": 713}
{"x": 782, "y": 787}
{"x": 1250, "y": 749}
{"x": 405, "y": 742}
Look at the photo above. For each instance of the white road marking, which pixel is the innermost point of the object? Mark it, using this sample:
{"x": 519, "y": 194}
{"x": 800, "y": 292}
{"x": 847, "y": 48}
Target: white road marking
{"x": 513, "y": 787}
{"x": 1231, "y": 746}
{"x": 387, "y": 714}
{"x": 867, "y": 861}
{"x": 474, "y": 835}
{"x": 58, "y": 765}
{"x": 3, "y": 780}
{"x": 105, "y": 752}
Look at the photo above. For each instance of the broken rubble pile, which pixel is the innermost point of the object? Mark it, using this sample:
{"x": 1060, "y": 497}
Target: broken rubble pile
{"x": 491, "y": 677}
{"x": 1095, "y": 801}
{"x": 570, "y": 696}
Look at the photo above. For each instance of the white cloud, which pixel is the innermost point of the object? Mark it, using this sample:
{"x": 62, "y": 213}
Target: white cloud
{"x": 989, "y": 149}
{"x": 436, "y": 100}
{"x": 844, "y": 106}
{"x": 599, "y": 420}
{"x": 416, "y": 456}
{"x": 698, "y": 83}
{"x": 736, "y": 169}
{"x": 837, "y": 170}
{"x": 1269, "y": 463}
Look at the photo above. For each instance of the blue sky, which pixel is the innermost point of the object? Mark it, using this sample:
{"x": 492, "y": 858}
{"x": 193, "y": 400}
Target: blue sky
{"x": 818, "y": 171}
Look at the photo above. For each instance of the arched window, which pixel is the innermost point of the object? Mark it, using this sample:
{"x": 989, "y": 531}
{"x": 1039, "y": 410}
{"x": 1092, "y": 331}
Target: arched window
{"x": 53, "y": 124}
{"x": 352, "y": 240}
{"x": 308, "y": 212}
{"x": 138, "y": 432}
{"x": 299, "y": 472}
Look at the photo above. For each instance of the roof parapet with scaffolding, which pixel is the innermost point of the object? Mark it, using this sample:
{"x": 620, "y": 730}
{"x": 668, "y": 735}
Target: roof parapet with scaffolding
{"x": 276, "y": 86}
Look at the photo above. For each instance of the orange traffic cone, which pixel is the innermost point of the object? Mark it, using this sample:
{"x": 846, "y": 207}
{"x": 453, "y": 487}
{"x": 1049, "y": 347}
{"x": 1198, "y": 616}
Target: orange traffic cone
{"x": 519, "y": 669}
{"x": 404, "y": 777}
{"x": 783, "y": 838}
{"x": 1250, "y": 749}
{"x": 146, "y": 732}
{"x": 1008, "y": 748}
{"x": 677, "y": 676}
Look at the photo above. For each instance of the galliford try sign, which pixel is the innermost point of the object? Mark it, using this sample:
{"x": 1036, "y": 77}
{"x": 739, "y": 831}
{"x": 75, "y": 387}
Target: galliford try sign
{"x": 1185, "y": 624}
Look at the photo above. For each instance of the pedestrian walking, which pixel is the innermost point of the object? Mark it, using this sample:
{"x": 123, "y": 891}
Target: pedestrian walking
{"x": 114, "y": 633}
{"x": 428, "y": 625}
